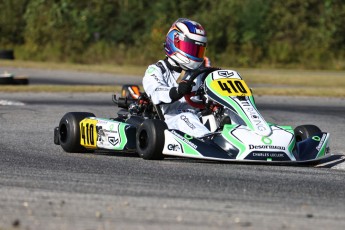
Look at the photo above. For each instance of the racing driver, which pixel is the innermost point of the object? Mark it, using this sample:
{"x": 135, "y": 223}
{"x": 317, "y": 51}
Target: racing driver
{"x": 184, "y": 47}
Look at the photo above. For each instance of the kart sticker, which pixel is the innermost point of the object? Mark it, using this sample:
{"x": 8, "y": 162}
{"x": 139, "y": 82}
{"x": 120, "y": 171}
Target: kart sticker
{"x": 88, "y": 133}
{"x": 174, "y": 147}
{"x": 230, "y": 87}
{"x": 112, "y": 140}
{"x": 322, "y": 140}
{"x": 112, "y": 136}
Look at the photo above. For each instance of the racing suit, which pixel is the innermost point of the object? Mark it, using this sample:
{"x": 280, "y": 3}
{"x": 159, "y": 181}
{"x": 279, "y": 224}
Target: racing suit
{"x": 158, "y": 80}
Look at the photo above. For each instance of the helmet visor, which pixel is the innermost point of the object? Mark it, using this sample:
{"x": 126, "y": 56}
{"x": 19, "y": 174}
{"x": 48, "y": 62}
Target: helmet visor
{"x": 189, "y": 47}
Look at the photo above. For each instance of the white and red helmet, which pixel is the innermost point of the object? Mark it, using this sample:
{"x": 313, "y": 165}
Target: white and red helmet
{"x": 186, "y": 43}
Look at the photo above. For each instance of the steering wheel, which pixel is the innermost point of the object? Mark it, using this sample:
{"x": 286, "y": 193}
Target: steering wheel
{"x": 190, "y": 78}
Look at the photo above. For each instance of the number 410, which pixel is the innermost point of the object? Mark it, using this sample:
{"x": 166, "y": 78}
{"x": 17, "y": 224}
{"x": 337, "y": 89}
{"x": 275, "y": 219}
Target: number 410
{"x": 232, "y": 86}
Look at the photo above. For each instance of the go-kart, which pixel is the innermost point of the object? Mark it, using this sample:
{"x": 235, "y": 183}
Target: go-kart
{"x": 227, "y": 108}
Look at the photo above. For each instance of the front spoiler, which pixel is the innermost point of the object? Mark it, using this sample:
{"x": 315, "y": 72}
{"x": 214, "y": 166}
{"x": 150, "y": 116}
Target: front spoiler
{"x": 306, "y": 152}
{"x": 286, "y": 163}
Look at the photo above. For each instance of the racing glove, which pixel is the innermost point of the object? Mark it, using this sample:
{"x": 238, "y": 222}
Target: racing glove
{"x": 183, "y": 88}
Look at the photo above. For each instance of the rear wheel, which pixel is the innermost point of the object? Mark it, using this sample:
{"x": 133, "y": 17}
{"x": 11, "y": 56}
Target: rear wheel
{"x": 150, "y": 139}
{"x": 69, "y": 132}
{"x": 303, "y": 132}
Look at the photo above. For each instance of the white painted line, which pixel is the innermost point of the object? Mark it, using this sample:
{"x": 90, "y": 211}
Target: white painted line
{"x": 15, "y": 103}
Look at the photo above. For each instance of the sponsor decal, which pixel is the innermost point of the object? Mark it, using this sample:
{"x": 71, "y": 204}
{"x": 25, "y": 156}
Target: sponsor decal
{"x": 162, "y": 89}
{"x": 100, "y": 131}
{"x": 186, "y": 120}
{"x": 101, "y": 122}
{"x": 245, "y": 103}
{"x": 103, "y": 135}
{"x": 104, "y": 131}
{"x": 268, "y": 154}
{"x": 186, "y": 111}
{"x": 184, "y": 139}
{"x": 266, "y": 147}
{"x": 188, "y": 137}
{"x": 225, "y": 73}
{"x": 174, "y": 147}
{"x": 155, "y": 77}
{"x": 322, "y": 140}
{"x": 150, "y": 70}
{"x": 266, "y": 140}
{"x": 316, "y": 138}
{"x": 112, "y": 140}
{"x": 257, "y": 121}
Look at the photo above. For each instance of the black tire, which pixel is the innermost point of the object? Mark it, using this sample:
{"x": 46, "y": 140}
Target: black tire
{"x": 303, "y": 132}
{"x": 69, "y": 132}
{"x": 150, "y": 139}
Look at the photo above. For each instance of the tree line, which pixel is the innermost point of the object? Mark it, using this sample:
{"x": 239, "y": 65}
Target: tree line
{"x": 241, "y": 33}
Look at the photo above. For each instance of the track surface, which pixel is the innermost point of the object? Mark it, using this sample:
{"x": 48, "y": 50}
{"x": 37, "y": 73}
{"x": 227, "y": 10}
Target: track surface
{"x": 42, "y": 187}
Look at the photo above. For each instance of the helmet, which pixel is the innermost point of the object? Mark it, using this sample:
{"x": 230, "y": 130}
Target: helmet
{"x": 186, "y": 43}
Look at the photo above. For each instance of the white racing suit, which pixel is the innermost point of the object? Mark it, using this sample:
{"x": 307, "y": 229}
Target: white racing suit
{"x": 157, "y": 82}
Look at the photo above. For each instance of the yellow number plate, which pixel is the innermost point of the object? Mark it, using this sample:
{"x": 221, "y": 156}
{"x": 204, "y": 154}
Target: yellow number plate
{"x": 231, "y": 87}
{"x": 88, "y": 133}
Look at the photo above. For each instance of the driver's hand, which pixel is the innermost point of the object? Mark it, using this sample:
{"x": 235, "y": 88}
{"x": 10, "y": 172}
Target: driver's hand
{"x": 184, "y": 88}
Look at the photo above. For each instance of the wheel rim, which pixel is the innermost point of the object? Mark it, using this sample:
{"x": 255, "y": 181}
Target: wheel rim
{"x": 143, "y": 139}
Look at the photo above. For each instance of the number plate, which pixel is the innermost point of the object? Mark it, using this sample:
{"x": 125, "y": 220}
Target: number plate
{"x": 88, "y": 133}
{"x": 231, "y": 87}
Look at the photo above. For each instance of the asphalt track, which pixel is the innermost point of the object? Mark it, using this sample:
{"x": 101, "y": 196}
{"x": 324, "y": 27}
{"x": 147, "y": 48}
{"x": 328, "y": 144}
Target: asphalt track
{"x": 42, "y": 187}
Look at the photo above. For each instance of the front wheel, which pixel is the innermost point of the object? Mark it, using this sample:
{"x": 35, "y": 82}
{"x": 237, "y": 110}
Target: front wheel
{"x": 303, "y": 132}
{"x": 69, "y": 132}
{"x": 150, "y": 139}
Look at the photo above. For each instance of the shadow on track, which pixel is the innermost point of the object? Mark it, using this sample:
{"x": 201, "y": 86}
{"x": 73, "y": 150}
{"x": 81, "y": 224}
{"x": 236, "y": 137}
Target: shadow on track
{"x": 328, "y": 162}
{"x": 331, "y": 161}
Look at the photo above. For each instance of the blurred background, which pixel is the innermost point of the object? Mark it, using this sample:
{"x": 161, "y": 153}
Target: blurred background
{"x": 306, "y": 34}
